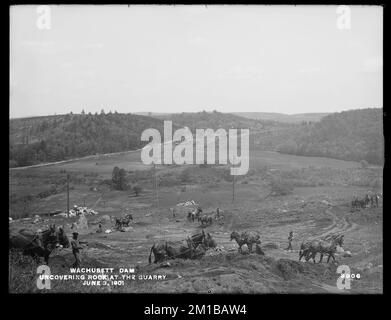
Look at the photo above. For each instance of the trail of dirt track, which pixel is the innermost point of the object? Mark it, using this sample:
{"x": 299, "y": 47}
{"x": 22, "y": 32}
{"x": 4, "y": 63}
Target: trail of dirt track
{"x": 339, "y": 225}
{"x": 73, "y": 160}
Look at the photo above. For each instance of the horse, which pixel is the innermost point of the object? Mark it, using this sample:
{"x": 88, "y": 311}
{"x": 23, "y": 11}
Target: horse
{"x": 184, "y": 251}
{"x": 367, "y": 200}
{"x": 123, "y": 221}
{"x": 355, "y": 203}
{"x": 198, "y": 211}
{"x": 309, "y": 249}
{"x": 248, "y": 238}
{"x": 168, "y": 250}
{"x": 205, "y": 219}
{"x": 209, "y": 242}
{"x": 304, "y": 248}
{"x": 38, "y": 244}
{"x": 191, "y": 215}
{"x": 159, "y": 252}
{"x": 195, "y": 214}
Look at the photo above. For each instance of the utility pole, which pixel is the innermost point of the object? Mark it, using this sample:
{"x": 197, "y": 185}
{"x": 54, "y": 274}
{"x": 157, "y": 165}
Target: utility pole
{"x": 233, "y": 182}
{"x": 68, "y": 195}
{"x": 26, "y": 135}
{"x": 233, "y": 188}
{"x": 157, "y": 191}
{"x": 156, "y": 185}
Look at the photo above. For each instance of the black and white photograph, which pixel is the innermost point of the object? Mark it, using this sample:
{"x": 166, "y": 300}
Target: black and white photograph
{"x": 206, "y": 149}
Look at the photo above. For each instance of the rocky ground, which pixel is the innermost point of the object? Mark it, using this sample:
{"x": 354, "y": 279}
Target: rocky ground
{"x": 307, "y": 212}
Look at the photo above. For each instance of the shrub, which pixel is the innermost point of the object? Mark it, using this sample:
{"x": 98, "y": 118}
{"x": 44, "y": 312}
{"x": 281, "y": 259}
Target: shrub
{"x": 226, "y": 175}
{"x": 119, "y": 179}
{"x": 22, "y": 273}
{"x": 137, "y": 189}
{"x": 185, "y": 175}
{"x": 280, "y": 187}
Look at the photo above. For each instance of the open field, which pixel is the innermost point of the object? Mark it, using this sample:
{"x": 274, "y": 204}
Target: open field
{"x": 317, "y": 205}
{"x": 131, "y": 161}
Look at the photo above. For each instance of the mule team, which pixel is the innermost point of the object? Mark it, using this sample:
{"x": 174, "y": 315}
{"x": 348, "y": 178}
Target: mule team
{"x": 205, "y": 219}
{"x": 122, "y": 222}
{"x": 193, "y": 247}
{"x": 41, "y": 243}
{"x": 328, "y": 246}
{"x": 370, "y": 200}
{"x": 197, "y": 245}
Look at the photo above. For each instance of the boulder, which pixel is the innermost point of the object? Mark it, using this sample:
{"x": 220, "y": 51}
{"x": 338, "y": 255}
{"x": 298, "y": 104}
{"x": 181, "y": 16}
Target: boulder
{"x": 72, "y": 213}
{"x": 347, "y": 254}
{"x": 108, "y": 231}
{"x": 340, "y": 249}
{"x": 37, "y": 219}
{"x": 105, "y": 218}
{"x": 92, "y": 212}
{"x": 62, "y": 214}
{"x": 126, "y": 229}
{"x": 165, "y": 264}
{"x": 211, "y": 253}
{"x": 82, "y": 223}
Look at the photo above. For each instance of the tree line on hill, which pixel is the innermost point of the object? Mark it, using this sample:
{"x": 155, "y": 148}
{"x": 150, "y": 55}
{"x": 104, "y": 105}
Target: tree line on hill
{"x": 55, "y": 138}
{"x": 216, "y": 120}
{"x": 350, "y": 135}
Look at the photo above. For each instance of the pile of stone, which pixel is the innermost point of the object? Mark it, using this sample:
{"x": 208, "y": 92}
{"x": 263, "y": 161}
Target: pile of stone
{"x": 81, "y": 224}
{"x": 187, "y": 203}
{"x": 76, "y": 211}
{"x": 37, "y": 219}
{"x": 216, "y": 251}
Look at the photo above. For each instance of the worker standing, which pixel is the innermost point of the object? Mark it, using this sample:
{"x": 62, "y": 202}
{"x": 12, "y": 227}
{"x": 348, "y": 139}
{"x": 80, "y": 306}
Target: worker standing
{"x": 76, "y": 247}
{"x": 290, "y": 238}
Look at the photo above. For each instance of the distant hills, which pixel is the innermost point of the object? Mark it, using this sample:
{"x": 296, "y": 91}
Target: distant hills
{"x": 264, "y": 116}
{"x": 281, "y": 117}
{"x": 214, "y": 120}
{"x": 151, "y": 114}
{"x": 54, "y": 138}
{"x": 350, "y": 135}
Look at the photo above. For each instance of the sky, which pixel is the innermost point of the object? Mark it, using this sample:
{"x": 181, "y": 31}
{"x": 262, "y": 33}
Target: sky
{"x": 286, "y": 59}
